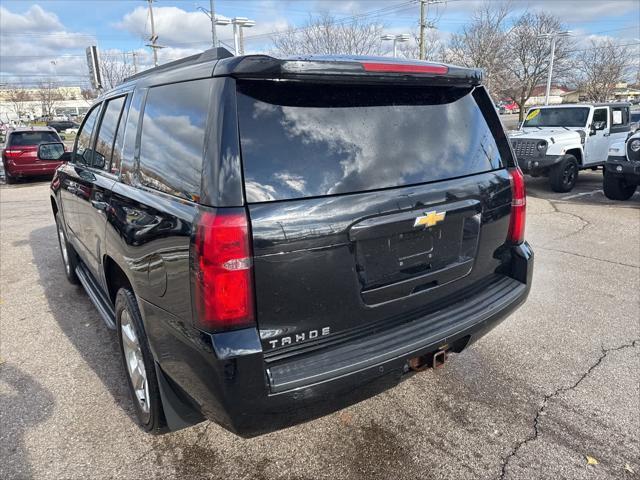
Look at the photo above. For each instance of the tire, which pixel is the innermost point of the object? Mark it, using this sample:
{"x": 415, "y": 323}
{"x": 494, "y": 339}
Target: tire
{"x": 69, "y": 256}
{"x": 138, "y": 363}
{"x": 564, "y": 175}
{"x": 615, "y": 188}
{"x": 8, "y": 178}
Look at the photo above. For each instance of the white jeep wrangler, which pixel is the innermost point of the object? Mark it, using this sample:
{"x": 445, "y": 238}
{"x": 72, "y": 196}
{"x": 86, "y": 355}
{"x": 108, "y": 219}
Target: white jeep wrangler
{"x": 557, "y": 141}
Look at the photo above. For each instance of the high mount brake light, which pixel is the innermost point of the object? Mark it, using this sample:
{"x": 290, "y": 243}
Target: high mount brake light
{"x": 405, "y": 68}
{"x": 518, "y": 206}
{"x": 221, "y": 270}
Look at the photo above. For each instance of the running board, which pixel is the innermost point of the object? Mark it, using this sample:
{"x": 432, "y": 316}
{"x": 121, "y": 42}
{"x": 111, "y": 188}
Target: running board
{"x": 102, "y": 303}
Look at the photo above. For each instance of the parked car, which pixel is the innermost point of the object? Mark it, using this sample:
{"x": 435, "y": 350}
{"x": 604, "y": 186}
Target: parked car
{"x": 558, "y": 141}
{"x": 61, "y": 125}
{"x": 275, "y": 239}
{"x": 20, "y": 154}
{"x": 622, "y": 170}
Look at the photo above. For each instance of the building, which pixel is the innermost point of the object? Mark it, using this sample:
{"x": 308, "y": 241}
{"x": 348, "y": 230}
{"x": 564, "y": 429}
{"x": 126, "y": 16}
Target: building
{"x": 539, "y": 94}
{"x": 64, "y": 102}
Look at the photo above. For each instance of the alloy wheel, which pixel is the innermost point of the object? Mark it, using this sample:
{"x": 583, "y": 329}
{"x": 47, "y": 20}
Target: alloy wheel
{"x": 135, "y": 362}
{"x": 63, "y": 250}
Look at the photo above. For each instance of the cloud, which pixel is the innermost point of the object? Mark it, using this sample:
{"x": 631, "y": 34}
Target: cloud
{"x": 176, "y": 27}
{"x": 173, "y": 25}
{"x": 35, "y": 44}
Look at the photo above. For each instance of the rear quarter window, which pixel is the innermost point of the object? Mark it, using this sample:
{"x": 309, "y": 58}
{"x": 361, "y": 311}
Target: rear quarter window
{"x": 24, "y": 139}
{"x": 173, "y": 135}
{"x": 304, "y": 140}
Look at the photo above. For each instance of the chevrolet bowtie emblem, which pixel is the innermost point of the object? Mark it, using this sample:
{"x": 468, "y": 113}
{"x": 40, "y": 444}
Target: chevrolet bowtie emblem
{"x": 429, "y": 219}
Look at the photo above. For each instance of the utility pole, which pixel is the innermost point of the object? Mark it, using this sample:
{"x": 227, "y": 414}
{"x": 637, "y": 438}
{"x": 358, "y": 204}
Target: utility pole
{"x": 424, "y": 16}
{"x": 135, "y": 63}
{"x": 212, "y": 14}
{"x": 422, "y": 27}
{"x": 214, "y": 21}
{"x": 553, "y": 36}
{"x": 154, "y": 38}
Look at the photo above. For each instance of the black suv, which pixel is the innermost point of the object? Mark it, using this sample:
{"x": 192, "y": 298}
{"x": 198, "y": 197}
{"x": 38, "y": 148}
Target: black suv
{"x": 275, "y": 239}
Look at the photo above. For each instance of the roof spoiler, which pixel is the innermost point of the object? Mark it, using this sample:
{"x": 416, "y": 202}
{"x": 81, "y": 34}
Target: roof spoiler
{"x": 208, "y": 55}
{"x": 378, "y": 69}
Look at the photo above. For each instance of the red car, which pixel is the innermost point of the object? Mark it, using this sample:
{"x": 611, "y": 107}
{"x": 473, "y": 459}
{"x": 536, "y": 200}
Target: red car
{"x": 20, "y": 153}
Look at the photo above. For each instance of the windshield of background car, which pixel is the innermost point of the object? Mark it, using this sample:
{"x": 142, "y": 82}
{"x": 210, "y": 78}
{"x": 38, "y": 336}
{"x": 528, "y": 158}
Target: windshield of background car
{"x": 302, "y": 140}
{"x": 25, "y": 139}
{"x": 557, "y": 117}
{"x": 635, "y": 116}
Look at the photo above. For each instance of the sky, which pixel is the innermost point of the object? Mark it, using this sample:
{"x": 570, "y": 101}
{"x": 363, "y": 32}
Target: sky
{"x": 47, "y": 38}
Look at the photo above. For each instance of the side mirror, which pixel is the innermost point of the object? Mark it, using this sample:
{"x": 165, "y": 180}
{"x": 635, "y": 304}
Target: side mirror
{"x": 98, "y": 160}
{"x": 51, "y": 151}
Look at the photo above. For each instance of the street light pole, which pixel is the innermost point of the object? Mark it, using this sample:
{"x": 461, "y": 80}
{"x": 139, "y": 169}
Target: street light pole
{"x": 553, "y": 37}
{"x": 403, "y": 37}
{"x": 238, "y": 38}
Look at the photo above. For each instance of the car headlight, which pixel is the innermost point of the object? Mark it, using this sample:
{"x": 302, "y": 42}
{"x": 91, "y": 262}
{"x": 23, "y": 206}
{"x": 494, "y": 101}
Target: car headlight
{"x": 635, "y": 145}
{"x": 542, "y": 145}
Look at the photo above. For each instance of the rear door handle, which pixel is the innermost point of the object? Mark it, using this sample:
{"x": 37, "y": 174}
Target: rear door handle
{"x": 606, "y": 134}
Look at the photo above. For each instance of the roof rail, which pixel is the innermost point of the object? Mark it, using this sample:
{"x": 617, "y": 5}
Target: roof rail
{"x": 208, "y": 55}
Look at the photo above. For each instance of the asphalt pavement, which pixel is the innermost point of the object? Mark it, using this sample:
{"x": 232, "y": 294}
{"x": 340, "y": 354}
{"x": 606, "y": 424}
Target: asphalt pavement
{"x": 553, "y": 392}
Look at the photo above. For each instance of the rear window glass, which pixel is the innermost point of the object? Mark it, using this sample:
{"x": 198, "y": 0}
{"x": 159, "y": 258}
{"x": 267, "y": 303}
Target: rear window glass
{"x": 302, "y": 140}
{"x": 23, "y": 139}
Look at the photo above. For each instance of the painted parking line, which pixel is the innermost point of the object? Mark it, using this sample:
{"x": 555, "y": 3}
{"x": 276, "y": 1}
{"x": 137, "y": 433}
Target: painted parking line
{"x": 576, "y": 195}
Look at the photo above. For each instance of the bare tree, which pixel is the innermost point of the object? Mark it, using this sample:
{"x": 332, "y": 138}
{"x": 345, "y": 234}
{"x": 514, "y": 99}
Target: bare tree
{"x": 482, "y": 43}
{"x": 528, "y": 55}
{"x": 18, "y": 98}
{"x": 49, "y": 96}
{"x": 114, "y": 69}
{"x": 601, "y": 67}
{"x": 324, "y": 35}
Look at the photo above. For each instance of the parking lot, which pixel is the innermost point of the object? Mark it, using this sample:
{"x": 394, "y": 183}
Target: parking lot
{"x": 553, "y": 392}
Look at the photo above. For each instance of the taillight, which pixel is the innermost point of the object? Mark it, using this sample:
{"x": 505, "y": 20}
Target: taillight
{"x": 518, "y": 206}
{"x": 222, "y": 283}
{"x": 405, "y": 68}
{"x": 13, "y": 152}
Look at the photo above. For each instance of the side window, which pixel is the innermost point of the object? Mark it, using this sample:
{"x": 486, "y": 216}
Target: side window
{"x": 107, "y": 133}
{"x": 83, "y": 151}
{"x": 617, "y": 115}
{"x": 129, "y": 137}
{"x": 600, "y": 115}
{"x": 172, "y": 140}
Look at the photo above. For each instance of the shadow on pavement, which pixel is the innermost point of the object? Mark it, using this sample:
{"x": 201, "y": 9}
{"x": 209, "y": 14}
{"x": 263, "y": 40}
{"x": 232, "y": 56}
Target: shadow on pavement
{"x": 25, "y": 403}
{"x": 78, "y": 318}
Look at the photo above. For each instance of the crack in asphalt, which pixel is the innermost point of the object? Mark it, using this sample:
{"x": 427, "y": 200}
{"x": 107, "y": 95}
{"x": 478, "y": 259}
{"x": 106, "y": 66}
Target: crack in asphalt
{"x": 541, "y": 409}
{"x": 588, "y": 257}
{"x": 585, "y": 223}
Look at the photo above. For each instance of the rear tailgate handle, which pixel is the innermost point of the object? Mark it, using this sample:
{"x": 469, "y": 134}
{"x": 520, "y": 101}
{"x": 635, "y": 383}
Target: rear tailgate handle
{"x": 385, "y": 225}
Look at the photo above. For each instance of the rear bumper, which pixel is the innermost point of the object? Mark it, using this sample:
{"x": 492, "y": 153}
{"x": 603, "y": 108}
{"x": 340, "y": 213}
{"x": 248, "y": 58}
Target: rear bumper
{"x": 30, "y": 170}
{"x": 233, "y": 384}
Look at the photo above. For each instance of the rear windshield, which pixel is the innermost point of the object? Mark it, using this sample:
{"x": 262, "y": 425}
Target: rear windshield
{"x": 303, "y": 140}
{"x": 24, "y": 139}
{"x": 557, "y": 117}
